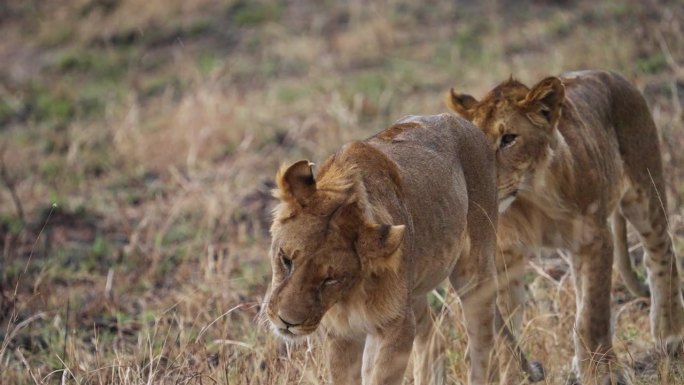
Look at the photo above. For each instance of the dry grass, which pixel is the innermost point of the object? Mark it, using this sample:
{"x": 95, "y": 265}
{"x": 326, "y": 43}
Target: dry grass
{"x": 156, "y": 127}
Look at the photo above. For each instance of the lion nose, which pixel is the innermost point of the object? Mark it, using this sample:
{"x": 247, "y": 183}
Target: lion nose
{"x": 288, "y": 323}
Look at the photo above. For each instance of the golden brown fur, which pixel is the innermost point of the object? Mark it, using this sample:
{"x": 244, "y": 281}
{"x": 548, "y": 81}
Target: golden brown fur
{"x": 571, "y": 152}
{"x": 357, "y": 248}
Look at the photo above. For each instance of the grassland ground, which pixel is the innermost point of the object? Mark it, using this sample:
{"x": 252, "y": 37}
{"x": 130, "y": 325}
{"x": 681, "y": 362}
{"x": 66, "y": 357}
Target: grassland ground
{"x": 139, "y": 141}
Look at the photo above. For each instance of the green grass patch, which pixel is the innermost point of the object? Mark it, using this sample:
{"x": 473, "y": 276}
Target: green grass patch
{"x": 249, "y": 14}
{"x": 58, "y": 35}
{"x": 100, "y": 247}
{"x": 6, "y": 112}
{"x": 371, "y": 84}
{"x": 12, "y": 270}
{"x": 291, "y": 94}
{"x": 76, "y": 61}
{"x": 559, "y": 26}
{"x": 199, "y": 28}
{"x": 469, "y": 40}
{"x": 51, "y": 107}
{"x": 207, "y": 62}
{"x": 52, "y": 169}
{"x": 157, "y": 85}
{"x": 652, "y": 64}
{"x": 10, "y": 223}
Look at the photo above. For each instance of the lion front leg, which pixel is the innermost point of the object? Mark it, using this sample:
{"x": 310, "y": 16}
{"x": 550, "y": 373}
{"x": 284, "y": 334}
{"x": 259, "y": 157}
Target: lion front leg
{"x": 428, "y": 348}
{"x": 510, "y": 265}
{"x": 511, "y": 298}
{"x": 345, "y": 357}
{"x": 387, "y": 352}
{"x": 595, "y": 358}
{"x": 479, "y": 321}
{"x": 478, "y": 300}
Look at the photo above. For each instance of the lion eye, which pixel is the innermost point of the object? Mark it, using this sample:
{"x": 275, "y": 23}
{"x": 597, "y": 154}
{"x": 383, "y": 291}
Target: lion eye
{"x": 287, "y": 262}
{"x": 507, "y": 140}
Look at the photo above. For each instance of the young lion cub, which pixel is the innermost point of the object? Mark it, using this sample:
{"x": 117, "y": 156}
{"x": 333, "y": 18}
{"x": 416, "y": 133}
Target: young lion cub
{"x": 571, "y": 152}
{"x": 357, "y": 248}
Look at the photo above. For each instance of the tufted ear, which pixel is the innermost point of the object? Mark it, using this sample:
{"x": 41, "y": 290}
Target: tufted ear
{"x": 296, "y": 183}
{"x": 378, "y": 243}
{"x": 462, "y": 104}
{"x": 543, "y": 102}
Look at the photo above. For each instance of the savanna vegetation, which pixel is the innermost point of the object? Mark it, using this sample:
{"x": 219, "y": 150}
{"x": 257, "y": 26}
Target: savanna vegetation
{"x": 139, "y": 140}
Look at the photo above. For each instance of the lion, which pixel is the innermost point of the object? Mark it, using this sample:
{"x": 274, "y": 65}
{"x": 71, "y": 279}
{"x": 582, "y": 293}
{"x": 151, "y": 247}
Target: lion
{"x": 357, "y": 248}
{"x": 572, "y": 153}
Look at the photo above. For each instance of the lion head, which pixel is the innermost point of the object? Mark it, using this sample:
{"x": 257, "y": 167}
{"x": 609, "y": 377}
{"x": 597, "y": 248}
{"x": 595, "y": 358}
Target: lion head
{"x": 520, "y": 124}
{"x": 322, "y": 246}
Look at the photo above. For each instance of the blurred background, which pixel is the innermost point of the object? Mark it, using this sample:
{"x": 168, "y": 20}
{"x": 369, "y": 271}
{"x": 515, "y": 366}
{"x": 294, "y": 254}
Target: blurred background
{"x": 139, "y": 140}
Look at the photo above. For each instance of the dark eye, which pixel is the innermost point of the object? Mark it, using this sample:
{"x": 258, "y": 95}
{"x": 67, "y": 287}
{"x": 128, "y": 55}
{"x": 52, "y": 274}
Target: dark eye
{"x": 287, "y": 262}
{"x": 507, "y": 139}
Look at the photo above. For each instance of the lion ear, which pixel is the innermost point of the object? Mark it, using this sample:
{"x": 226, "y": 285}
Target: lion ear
{"x": 462, "y": 104}
{"x": 379, "y": 243}
{"x": 296, "y": 183}
{"x": 543, "y": 102}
